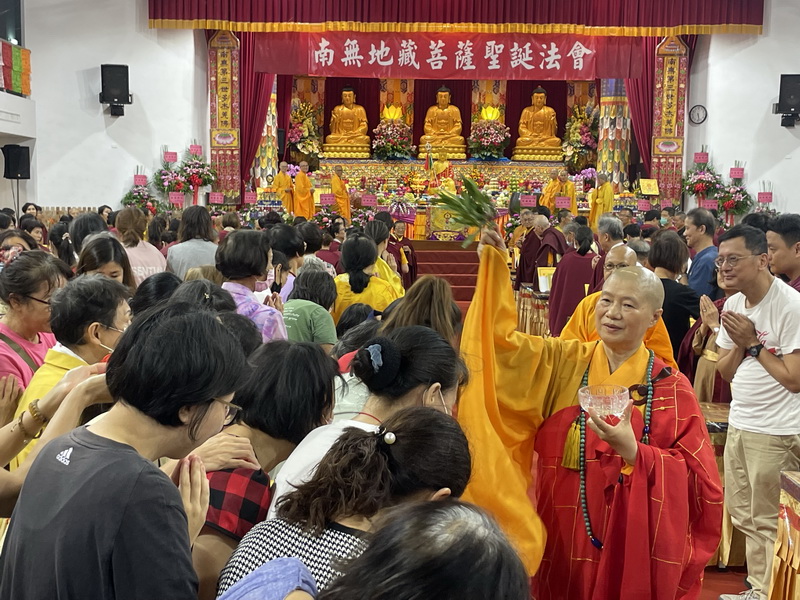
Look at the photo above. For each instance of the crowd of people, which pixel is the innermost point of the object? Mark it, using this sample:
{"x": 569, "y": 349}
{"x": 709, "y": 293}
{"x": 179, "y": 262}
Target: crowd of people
{"x": 193, "y": 407}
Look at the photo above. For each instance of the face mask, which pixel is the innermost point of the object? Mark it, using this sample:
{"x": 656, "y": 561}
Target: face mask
{"x": 663, "y": 221}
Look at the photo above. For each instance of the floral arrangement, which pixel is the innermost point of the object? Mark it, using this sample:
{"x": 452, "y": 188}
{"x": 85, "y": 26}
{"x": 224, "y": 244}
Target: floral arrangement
{"x": 580, "y": 138}
{"x": 359, "y": 217}
{"x": 141, "y": 197}
{"x": 586, "y": 178}
{"x": 392, "y": 140}
{"x": 167, "y": 180}
{"x": 702, "y": 181}
{"x": 734, "y": 199}
{"x": 197, "y": 172}
{"x": 488, "y": 139}
{"x": 325, "y": 216}
{"x": 511, "y": 225}
{"x": 303, "y": 134}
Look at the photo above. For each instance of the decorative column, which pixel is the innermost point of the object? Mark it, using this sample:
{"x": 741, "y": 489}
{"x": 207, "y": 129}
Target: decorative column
{"x": 669, "y": 111}
{"x": 223, "y": 76}
{"x": 614, "y": 142}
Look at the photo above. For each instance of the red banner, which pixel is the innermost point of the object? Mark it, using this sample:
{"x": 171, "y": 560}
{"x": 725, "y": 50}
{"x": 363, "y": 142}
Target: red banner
{"x": 448, "y": 56}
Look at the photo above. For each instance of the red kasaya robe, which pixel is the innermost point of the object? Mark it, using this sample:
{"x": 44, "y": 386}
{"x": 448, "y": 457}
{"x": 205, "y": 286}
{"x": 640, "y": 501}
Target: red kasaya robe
{"x": 572, "y": 275}
{"x": 659, "y": 519}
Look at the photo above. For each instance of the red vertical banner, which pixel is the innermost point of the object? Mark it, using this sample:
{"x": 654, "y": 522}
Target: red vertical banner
{"x": 669, "y": 108}
{"x": 223, "y": 76}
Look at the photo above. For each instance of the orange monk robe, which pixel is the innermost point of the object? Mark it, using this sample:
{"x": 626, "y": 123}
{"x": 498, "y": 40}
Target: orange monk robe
{"x": 581, "y": 326}
{"x": 659, "y": 519}
{"x": 285, "y": 190}
{"x": 602, "y": 203}
{"x": 303, "y": 196}
{"x": 339, "y": 191}
{"x": 568, "y": 189}
{"x": 549, "y": 194}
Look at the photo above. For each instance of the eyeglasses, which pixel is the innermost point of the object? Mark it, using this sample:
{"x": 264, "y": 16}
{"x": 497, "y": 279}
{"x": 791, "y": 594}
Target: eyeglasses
{"x": 732, "y": 260}
{"x": 613, "y": 267}
{"x": 112, "y": 328}
{"x": 232, "y": 411}
{"x": 39, "y": 300}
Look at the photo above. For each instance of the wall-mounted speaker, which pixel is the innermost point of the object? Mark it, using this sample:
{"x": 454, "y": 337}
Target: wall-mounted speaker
{"x": 789, "y": 97}
{"x": 17, "y": 161}
{"x": 114, "y": 82}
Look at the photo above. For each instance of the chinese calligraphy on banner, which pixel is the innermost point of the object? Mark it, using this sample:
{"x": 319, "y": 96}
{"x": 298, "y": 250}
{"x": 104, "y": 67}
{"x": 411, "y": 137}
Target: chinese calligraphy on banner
{"x": 452, "y": 56}
{"x": 669, "y": 101}
{"x": 223, "y": 72}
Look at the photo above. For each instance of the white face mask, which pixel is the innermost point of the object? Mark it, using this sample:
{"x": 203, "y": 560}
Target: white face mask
{"x": 444, "y": 404}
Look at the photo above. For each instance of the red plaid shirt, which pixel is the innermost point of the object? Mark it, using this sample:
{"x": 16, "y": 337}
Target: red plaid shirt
{"x": 238, "y": 500}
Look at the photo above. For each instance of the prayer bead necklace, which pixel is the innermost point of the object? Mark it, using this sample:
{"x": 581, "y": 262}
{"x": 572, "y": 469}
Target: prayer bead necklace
{"x": 645, "y": 440}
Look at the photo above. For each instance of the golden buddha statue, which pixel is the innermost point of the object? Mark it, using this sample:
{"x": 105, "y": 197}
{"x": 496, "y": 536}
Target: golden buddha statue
{"x": 443, "y": 128}
{"x": 348, "y": 137}
{"x": 441, "y": 174}
{"x": 537, "y": 131}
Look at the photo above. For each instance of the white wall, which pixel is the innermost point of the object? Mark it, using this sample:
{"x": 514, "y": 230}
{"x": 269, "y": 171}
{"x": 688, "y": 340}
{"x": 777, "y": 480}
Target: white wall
{"x": 17, "y": 126}
{"x": 737, "y": 79}
{"x": 84, "y": 156}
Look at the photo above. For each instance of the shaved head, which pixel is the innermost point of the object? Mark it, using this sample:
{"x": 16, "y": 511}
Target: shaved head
{"x": 647, "y": 284}
{"x": 621, "y": 254}
{"x": 540, "y": 221}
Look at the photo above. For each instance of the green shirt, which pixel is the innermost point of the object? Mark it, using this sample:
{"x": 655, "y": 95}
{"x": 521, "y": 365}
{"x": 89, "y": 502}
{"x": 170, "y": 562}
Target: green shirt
{"x": 307, "y": 321}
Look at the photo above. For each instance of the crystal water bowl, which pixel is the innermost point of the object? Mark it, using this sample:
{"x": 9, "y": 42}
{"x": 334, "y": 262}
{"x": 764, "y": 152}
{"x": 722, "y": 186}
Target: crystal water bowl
{"x": 606, "y": 400}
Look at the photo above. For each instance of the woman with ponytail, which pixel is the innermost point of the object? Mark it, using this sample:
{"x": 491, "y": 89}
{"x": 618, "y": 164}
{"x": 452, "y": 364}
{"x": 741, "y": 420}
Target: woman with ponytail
{"x": 324, "y": 521}
{"x": 411, "y": 366}
{"x": 145, "y": 258}
{"x": 358, "y": 283}
{"x": 573, "y": 273}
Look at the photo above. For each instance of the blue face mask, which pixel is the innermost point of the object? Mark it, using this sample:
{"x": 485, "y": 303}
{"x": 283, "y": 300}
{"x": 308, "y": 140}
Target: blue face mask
{"x": 663, "y": 221}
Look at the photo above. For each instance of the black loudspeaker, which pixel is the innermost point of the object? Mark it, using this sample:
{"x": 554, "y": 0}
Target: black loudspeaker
{"x": 114, "y": 84}
{"x": 281, "y": 143}
{"x": 789, "y": 98}
{"x": 18, "y": 161}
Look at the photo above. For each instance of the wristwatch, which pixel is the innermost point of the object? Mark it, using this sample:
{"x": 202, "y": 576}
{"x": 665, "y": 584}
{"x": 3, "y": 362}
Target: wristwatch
{"x": 754, "y": 351}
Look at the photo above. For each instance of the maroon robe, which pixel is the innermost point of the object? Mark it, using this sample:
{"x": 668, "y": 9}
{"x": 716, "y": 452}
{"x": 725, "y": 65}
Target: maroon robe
{"x": 687, "y": 361}
{"x": 568, "y": 288}
{"x": 331, "y": 257}
{"x": 795, "y": 284}
{"x": 395, "y": 247}
{"x": 553, "y": 243}
{"x": 528, "y": 253}
{"x": 598, "y": 275}
{"x": 335, "y": 244}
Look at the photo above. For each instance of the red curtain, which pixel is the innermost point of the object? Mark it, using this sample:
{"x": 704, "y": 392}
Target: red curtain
{"x": 254, "y": 92}
{"x": 542, "y": 16}
{"x": 367, "y": 95}
{"x": 284, "y": 102}
{"x": 518, "y": 97}
{"x": 640, "y": 96}
{"x": 425, "y": 97}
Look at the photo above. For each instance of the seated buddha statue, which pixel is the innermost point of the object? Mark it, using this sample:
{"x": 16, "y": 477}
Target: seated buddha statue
{"x": 537, "y": 128}
{"x": 348, "y": 129}
{"x": 443, "y": 126}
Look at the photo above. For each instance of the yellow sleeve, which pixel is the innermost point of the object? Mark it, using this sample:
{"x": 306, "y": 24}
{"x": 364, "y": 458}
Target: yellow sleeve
{"x": 576, "y": 328}
{"x": 516, "y": 380}
{"x": 403, "y": 257}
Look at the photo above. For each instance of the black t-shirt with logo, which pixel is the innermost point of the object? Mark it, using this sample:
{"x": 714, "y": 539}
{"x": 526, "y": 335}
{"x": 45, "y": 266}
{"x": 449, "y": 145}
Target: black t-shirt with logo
{"x": 96, "y": 520}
